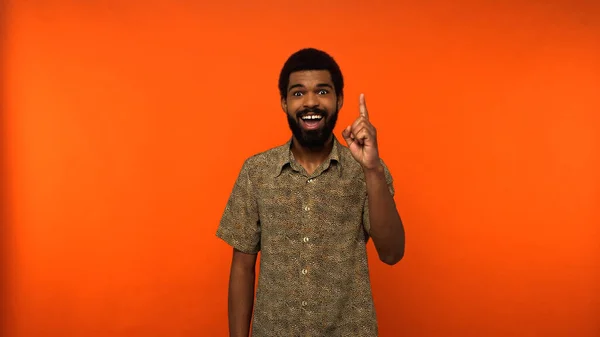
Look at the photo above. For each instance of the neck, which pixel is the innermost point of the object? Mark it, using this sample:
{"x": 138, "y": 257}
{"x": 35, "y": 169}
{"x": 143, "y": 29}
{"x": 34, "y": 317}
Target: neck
{"x": 311, "y": 158}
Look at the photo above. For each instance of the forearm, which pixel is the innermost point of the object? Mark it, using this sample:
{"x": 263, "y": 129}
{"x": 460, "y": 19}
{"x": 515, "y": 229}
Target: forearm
{"x": 386, "y": 228}
{"x": 241, "y": 301}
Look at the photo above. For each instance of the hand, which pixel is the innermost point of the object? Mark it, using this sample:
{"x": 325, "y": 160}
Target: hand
{"x": 361, "y": 138}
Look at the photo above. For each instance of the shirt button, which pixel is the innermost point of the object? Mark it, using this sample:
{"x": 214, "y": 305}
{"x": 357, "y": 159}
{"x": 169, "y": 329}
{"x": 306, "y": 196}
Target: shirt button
{"x": 304, "y": 271}
{"x": 310, "y": 180}
{"x": 305, "y": 239}
{"x": 306, "y": 208}
{"x": 304, "y": 303}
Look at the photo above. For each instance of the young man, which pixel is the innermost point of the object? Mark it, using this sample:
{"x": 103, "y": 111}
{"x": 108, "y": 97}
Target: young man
{"x": 310, "y": 206}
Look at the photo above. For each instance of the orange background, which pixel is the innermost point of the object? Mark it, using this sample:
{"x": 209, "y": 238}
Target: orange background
{"x": 126, "y": 123}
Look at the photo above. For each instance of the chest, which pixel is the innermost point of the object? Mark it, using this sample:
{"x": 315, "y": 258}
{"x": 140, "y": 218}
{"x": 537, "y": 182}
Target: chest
{"x": 323, "y": 206}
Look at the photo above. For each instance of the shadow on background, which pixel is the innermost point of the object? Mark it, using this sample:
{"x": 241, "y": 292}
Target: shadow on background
{"x": 3, "y": 172}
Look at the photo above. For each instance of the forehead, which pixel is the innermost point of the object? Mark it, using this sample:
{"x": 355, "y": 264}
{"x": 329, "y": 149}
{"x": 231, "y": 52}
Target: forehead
{"x": 310, "y": 78}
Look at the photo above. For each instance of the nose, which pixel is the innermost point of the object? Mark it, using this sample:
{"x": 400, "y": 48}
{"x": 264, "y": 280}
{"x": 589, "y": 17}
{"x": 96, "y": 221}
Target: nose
{"x": 310, "y": 100}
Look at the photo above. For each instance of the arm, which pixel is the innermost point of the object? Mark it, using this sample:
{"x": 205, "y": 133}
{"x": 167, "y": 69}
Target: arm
{"x": 240, "y": 228}
{"x": 241, "y": 293}
{"x": 386, "y": 228}
{"x": 383, "y": 221}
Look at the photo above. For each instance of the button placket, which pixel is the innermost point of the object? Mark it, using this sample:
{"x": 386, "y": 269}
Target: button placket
{"x": 304, "y": 236}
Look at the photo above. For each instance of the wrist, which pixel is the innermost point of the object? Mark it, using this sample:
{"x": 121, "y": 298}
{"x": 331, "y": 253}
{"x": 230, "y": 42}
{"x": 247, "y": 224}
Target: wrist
{"x": 373, "y": 170}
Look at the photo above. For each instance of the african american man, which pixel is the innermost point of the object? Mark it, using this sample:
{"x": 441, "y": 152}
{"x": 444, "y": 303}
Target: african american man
{"x": 309, "y": 207}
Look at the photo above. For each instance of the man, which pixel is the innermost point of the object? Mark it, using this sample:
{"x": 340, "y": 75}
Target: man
{"x": 310, "y": 206}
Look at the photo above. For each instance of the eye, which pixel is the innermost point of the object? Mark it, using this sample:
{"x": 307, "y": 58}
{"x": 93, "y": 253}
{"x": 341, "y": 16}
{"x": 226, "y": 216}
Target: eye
{"x": 323, "y": 92}
{"x": 297, "y": 93}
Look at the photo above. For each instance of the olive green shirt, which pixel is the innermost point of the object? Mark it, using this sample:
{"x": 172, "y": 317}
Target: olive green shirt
{"x": 311, "y": 231}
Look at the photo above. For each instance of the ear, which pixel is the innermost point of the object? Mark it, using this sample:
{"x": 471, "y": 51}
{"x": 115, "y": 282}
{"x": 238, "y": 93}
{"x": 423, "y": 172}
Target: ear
{"x": 340, "y": 102}
{"x": 284, "y": 105}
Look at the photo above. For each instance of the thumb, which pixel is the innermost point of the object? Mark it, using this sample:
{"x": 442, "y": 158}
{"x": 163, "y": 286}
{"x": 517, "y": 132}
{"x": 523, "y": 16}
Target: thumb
{"x": 347, "y": 134}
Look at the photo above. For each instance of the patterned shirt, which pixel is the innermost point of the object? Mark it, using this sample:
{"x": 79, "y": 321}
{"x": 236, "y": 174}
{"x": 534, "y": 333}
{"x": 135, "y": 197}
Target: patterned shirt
{"x": 311, "y": 231}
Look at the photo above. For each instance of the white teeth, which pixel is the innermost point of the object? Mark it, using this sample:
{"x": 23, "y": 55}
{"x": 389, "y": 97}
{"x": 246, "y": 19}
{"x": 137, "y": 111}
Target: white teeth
{"x": 316, "y": 117}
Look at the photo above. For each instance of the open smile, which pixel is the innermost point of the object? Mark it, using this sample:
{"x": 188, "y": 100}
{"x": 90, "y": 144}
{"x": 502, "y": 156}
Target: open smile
{"x": 312, "y": 121}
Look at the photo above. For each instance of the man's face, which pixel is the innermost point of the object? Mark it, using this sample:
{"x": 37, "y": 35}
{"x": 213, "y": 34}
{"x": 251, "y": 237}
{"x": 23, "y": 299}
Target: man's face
{"x": 312, "y": 107}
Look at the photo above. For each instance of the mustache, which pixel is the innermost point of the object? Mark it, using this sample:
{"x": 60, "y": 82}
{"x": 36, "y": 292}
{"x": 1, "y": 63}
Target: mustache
{"x": 309, "y": 110}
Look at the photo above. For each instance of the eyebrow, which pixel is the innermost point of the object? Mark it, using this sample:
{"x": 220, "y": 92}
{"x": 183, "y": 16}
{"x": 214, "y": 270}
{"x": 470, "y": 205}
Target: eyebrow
{"x": 320, "y": 85}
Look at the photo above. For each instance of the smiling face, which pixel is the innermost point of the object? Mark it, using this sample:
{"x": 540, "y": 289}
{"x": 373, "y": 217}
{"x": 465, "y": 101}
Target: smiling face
{"x": 311, "y": 105}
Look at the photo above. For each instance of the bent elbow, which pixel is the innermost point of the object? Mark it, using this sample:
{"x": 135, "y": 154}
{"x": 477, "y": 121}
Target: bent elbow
{"x": 392, "y": 259}
{"x": 393, "y": 252}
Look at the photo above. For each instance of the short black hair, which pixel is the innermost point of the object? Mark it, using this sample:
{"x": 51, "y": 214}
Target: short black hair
{"x": 311, "y": 59}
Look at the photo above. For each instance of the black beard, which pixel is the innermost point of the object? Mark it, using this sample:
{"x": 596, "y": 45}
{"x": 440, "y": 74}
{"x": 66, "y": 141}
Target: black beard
{"x": 313, "y": 139}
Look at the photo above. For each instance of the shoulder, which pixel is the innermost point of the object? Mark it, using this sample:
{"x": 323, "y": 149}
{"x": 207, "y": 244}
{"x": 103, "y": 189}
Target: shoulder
{"x": 266, "y": 161}
{"x": 267, "y": 157}
{"x": 349, "y": 164}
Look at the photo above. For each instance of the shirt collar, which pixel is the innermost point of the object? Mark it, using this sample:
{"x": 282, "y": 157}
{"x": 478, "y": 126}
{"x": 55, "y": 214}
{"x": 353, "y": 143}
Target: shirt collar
{"x": 285, "y": 156}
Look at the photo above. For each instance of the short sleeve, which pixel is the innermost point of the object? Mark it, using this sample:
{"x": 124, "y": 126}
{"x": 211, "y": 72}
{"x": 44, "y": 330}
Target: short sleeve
{"x": 240, "y": 224}
{"x": 390, "y": 183}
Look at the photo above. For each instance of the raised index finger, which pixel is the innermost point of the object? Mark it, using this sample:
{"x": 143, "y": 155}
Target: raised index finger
{"x": 362, "y": 106}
